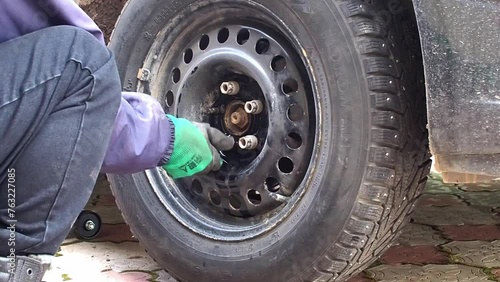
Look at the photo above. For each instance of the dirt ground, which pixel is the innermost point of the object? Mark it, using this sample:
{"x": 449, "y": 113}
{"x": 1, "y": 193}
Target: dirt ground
{"x": 104, "y": 13}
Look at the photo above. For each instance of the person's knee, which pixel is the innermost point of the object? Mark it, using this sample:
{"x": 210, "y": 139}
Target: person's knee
{"x": 66, "y": 32}
{"x": 70, "y": 36}
{"x": 89, "y": 52}
{"x": 78, "y": 44}
{"x": 92, "y": 55}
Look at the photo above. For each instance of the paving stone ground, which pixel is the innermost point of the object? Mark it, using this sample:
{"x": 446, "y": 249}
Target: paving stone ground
{"x": 454, "y": 235}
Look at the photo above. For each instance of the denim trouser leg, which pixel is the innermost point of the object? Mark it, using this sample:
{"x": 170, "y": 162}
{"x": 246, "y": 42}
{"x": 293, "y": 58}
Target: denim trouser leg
{"x": 59, "y": 94}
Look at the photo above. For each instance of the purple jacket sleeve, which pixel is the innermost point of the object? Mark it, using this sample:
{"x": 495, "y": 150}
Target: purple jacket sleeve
{"x": 142, "y": 136}
{"x": 24, "y": 16}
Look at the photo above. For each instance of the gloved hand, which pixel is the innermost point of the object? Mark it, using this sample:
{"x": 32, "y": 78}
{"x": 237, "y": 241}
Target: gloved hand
{"x": 196, "y": 148}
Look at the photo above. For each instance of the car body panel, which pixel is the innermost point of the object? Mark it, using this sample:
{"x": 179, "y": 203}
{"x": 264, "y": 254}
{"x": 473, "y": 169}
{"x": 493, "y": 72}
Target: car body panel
{"x": 461, "y": 50}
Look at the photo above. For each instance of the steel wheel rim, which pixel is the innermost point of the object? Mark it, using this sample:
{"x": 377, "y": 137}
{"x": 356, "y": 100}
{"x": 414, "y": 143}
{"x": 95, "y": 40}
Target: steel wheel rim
{"x": 262, "y": 205}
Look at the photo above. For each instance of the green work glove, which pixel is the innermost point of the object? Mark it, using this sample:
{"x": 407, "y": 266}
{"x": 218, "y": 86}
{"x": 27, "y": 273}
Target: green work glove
{"x": 196, "y": 148}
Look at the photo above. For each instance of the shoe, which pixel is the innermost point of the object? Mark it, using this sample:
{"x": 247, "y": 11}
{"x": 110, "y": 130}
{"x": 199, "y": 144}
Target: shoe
{"x": 24, "y": 268}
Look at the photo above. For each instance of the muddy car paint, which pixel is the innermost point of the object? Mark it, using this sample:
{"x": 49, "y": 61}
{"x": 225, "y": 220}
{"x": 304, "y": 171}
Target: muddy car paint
{"x": 461, "y": 50}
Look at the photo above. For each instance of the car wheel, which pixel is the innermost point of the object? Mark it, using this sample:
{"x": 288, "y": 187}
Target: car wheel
{"x": 330, "y": 97}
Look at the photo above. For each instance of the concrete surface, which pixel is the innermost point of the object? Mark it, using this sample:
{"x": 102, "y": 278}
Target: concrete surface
{"x": 454, "y": 236}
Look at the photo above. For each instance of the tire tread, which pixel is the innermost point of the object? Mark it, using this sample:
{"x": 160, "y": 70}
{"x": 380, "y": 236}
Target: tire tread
{"x": 398, "y": 120}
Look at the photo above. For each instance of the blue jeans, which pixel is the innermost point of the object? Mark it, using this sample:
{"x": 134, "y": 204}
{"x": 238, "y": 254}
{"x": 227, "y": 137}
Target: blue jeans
{"x": 59, "y": 94}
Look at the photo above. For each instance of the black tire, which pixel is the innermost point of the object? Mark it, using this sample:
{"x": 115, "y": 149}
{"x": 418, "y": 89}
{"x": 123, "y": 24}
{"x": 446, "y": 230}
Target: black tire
{"x": 373, "y": 158}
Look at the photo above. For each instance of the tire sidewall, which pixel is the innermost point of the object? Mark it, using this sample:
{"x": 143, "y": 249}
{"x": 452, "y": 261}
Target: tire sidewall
{"x": 318, "y": 220}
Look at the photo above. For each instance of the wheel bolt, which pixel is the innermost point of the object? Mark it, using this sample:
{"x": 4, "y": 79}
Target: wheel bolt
{"x": 248, "y": 142}
{"x": 254, "y": 107}
{"x": 230, "y": 88}
{"x": 214, "y": 110}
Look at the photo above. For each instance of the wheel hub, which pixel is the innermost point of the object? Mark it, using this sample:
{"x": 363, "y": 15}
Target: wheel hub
{"x": 236, "y": 120}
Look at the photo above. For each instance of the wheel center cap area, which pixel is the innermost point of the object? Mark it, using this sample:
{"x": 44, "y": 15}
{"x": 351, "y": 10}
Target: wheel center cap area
{"x": 236, "y": 120}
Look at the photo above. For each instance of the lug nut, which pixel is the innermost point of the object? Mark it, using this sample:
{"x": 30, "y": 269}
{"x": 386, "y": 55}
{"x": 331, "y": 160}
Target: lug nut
{"x": 230, "y": 88}
{"x": 248, "y": 142}
{"x": 254, "y": 107}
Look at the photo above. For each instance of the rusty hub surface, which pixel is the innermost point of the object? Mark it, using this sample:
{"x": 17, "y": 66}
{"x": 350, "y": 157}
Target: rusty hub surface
{"x": 236, "y": 120}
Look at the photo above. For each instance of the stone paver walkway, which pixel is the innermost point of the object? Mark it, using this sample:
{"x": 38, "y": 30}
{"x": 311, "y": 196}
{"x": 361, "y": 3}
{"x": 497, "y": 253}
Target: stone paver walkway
{"x": 454, "y": 235}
